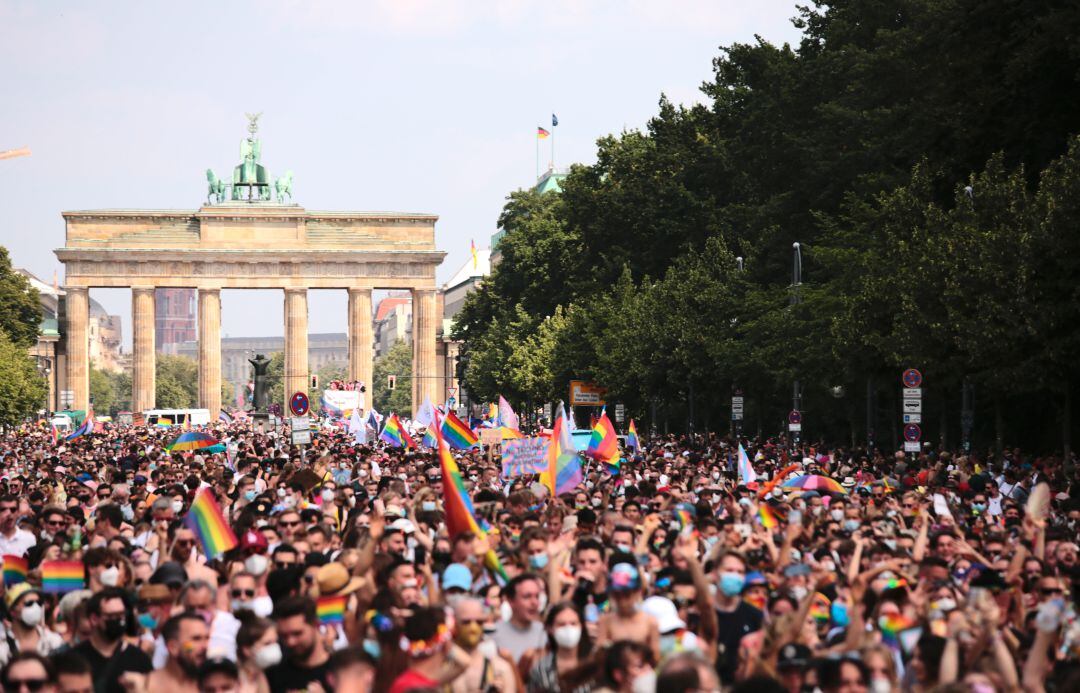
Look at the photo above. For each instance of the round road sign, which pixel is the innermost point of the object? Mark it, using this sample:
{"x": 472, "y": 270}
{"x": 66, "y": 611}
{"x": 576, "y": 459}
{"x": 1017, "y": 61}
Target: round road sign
{"x": 912, "y": 378}
{"x": 298, "y": 404}
{"x": 795, "y": 417}
{"x": 912, "y": 432}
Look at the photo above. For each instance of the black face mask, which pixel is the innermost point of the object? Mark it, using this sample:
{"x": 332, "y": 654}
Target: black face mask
{"x": 113, "y": 629}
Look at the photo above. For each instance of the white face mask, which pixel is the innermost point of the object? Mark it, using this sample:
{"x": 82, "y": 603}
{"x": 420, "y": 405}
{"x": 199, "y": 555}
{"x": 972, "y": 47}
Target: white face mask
{"x": 110, "y": 577}
{"x": 268, "y": 655}
{"x": 799, "y": 592}
{"x": 644, "y": 683}
{"x": 567, "y": 636}
{"x": 177, "y": 506}
{"x": 242, "y": 605}
{"x": 328, "y": 494}
{"x": 505, "y": 612}
{"x": 256, "y": 564}
{"x": 31, "y": 615}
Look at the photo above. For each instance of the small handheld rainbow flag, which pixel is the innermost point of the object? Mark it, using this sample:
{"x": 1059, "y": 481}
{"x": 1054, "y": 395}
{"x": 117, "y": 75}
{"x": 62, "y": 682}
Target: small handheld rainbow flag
{"x": 685, "y": 513}
{"x": 456, "y": 434}
{"x": 563, "y": 473}
{"x": 86, "y": 427}
{"x": 604, "y": 443}
{"x": 892, "y": 626}
{"x": 209, "y": 525}
{"x": 395, "y": 434}
{"x": 58, "y": 577}
{"x": 632, "y": 442}
{"x": 331, "y": 609}
{"x": 767, "y": 516}
{"x": 15, "y": 570}
{"x": 821, "y": 607}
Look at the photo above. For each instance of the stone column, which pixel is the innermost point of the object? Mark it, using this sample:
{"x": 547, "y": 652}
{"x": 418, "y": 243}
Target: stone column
{"x": 361, "y": 337}
{"x": 296, "y": 344}
{"x": 77, "y": 302}
{"x": 210, "y": 351}
{"x": 143, "y": 361}
{"x": 425, "y": 371}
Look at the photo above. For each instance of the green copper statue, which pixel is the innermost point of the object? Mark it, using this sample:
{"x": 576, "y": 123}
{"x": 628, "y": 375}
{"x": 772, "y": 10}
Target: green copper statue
{"x": 215, "y": 188}
{"x": 283, "y": 186}
{"x": 250, "y": 180}
{"x": 251, "y": 176}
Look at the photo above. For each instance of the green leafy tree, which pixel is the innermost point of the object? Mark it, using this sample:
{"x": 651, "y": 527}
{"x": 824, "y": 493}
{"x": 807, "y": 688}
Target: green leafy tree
{"x": 177, "y": 382}
{"x": 20, "y": 307}
{"x": 22, "y": 389}
{"x": 397, "y": 361}
{"x": 109, "y": 391}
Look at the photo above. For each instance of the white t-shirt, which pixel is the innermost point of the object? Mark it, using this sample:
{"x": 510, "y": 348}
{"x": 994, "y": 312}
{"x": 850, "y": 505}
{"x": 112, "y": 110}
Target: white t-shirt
{"x": 17, "y": 544}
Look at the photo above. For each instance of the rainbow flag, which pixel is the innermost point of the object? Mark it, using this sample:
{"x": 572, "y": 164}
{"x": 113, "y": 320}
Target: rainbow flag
{"x": 457, "y": 434}
{"x": 893, "y": 583}
{"x": 395, "y": 434}
{"x": 472, "y": 249}
{"x": 821, "y": 608}
{"x": 510, "y": 433}
{"x": 428, "y": 441}
{"x": 55, "y": 433}
{"x": 541, "y": 133}
{"x": 632, "y": 442}
{"x": 86, "y": 427}
{"x": 746, "y": 471}
{"x": 507, "y": 417}
{"x": 604, "y": 443}
{"x": 460, "y": 515}
{"x": 768, "y": 517}
{"x": 563, "y": 472}
{"x": 684, "y": 515}
{"x": 205, "y": 519}
{"x": 15, "y": 570}
{"x": 331, "y": 609}
{"x": 491, "y": 419}
{"x": 58, "y": 577}
{"x": 892, "y": 626}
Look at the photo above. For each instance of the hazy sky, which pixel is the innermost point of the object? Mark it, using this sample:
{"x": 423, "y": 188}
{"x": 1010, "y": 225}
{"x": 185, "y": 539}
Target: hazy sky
{"x": 403, "y": 105}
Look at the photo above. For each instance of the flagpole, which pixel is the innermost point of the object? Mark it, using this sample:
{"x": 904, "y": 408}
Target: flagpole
{"x": 552, "y": 149}
{"x": 537, "y": 156}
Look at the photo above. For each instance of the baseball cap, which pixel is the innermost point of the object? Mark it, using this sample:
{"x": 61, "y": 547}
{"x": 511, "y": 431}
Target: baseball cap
{"x": 624, "y": 578}
{"x": 793, "y": 655}
{"x": 254, "y": 540}
{"x": 457, "y": 575}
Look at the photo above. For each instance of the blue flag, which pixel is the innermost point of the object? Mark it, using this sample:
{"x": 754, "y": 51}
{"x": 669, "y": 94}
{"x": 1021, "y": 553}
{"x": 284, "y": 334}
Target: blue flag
{"x": 554, "y": 120}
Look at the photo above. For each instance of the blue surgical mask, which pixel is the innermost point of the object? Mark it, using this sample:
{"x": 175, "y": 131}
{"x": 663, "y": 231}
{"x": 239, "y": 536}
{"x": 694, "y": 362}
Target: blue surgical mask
{"x": 538, "y": 561}
{"x": 839, "y": 614}
{"x": 249, "y": 495}
{"x": 851, "y": 525}
{"x": 147, "y": 621}
{"x": 979, "y": 507}
{"x": 372, "y": 648}
{"x": 428, "y": 506}
{"x": 731, "y": 584}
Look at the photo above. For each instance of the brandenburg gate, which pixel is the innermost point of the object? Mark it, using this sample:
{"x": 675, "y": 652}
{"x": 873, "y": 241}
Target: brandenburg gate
{"x": 243, "y": 239}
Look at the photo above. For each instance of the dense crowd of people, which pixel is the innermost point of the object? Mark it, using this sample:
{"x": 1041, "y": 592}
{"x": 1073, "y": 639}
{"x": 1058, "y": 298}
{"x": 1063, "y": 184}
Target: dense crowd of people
{"x": 928, "y": 572}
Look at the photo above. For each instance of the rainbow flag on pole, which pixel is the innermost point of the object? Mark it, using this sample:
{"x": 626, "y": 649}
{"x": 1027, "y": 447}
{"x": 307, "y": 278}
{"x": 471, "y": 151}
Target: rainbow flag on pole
{"x": 604, "y": 443}
{"x": 331, "y": 609}
{"x": 58, "y": 577}
{"x": 563, "y": 472}
{"x": 457, "y": 434}
{"x": 209, "y": 525}
{"x": 460, "y": 515}
{"x": 395, "y": 434}
{"x": 87, "y": 426}
{"x": 632, "y": 442}
{"x": 15, "y": 570}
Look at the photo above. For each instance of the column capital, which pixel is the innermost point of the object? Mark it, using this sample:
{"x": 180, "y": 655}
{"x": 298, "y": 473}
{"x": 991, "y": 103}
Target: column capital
{"x": 360, "y": 290}
{"x": 295, "y": 290}
{"x": 214, "y": 290}
{"x": 143, "y": 289}
{"x": 80, "y": 290}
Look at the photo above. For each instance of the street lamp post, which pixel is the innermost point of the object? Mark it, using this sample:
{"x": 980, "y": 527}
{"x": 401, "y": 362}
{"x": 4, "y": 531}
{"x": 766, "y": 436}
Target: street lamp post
{"x": 796, "y": 299}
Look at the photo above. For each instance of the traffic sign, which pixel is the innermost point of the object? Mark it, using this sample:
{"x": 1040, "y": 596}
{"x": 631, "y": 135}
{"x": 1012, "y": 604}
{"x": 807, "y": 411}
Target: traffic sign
{"x": 911, "y": 446}
{"x": 913, "y": 406}
{"x": 298, "y": 404}
{"x": 912, "y": 418}
{"x": 912, "y": 392}
{"x": 912, "y": 378}
{"x": 794, "y": 428}
{"x": 912, "y": 432}
{"x": 794, "y": 417}
{"x": 620, "y": 413}
{"x": 451, "y": 391}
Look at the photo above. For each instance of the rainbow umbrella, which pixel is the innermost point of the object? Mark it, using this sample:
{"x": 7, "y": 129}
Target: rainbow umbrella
{"x": 192, "y": 440}
{"x": 814, "y": 482}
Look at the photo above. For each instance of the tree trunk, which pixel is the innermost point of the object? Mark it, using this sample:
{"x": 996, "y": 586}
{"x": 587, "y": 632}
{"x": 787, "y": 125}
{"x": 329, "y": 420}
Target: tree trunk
{"x": 1066, "y": 429}
{"x": 999, "y": 427}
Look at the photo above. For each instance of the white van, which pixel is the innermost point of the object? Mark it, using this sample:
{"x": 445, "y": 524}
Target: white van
{"x": 62, "y": 422}
{"x": 177, "y": 417}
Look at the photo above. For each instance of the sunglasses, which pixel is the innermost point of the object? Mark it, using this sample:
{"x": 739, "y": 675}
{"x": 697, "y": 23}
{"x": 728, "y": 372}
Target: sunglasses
{"x": 236, "y": 594}
{"x": 32, "y": 685}
{"x": 289, "y": 524}
{"x": 1051, "y": 590}
{"x": 31, "y": 602}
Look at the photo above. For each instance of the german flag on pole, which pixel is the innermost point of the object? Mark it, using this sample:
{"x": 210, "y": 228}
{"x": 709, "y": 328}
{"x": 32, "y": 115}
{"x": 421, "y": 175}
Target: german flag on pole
{"x": 541, "y": 133}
